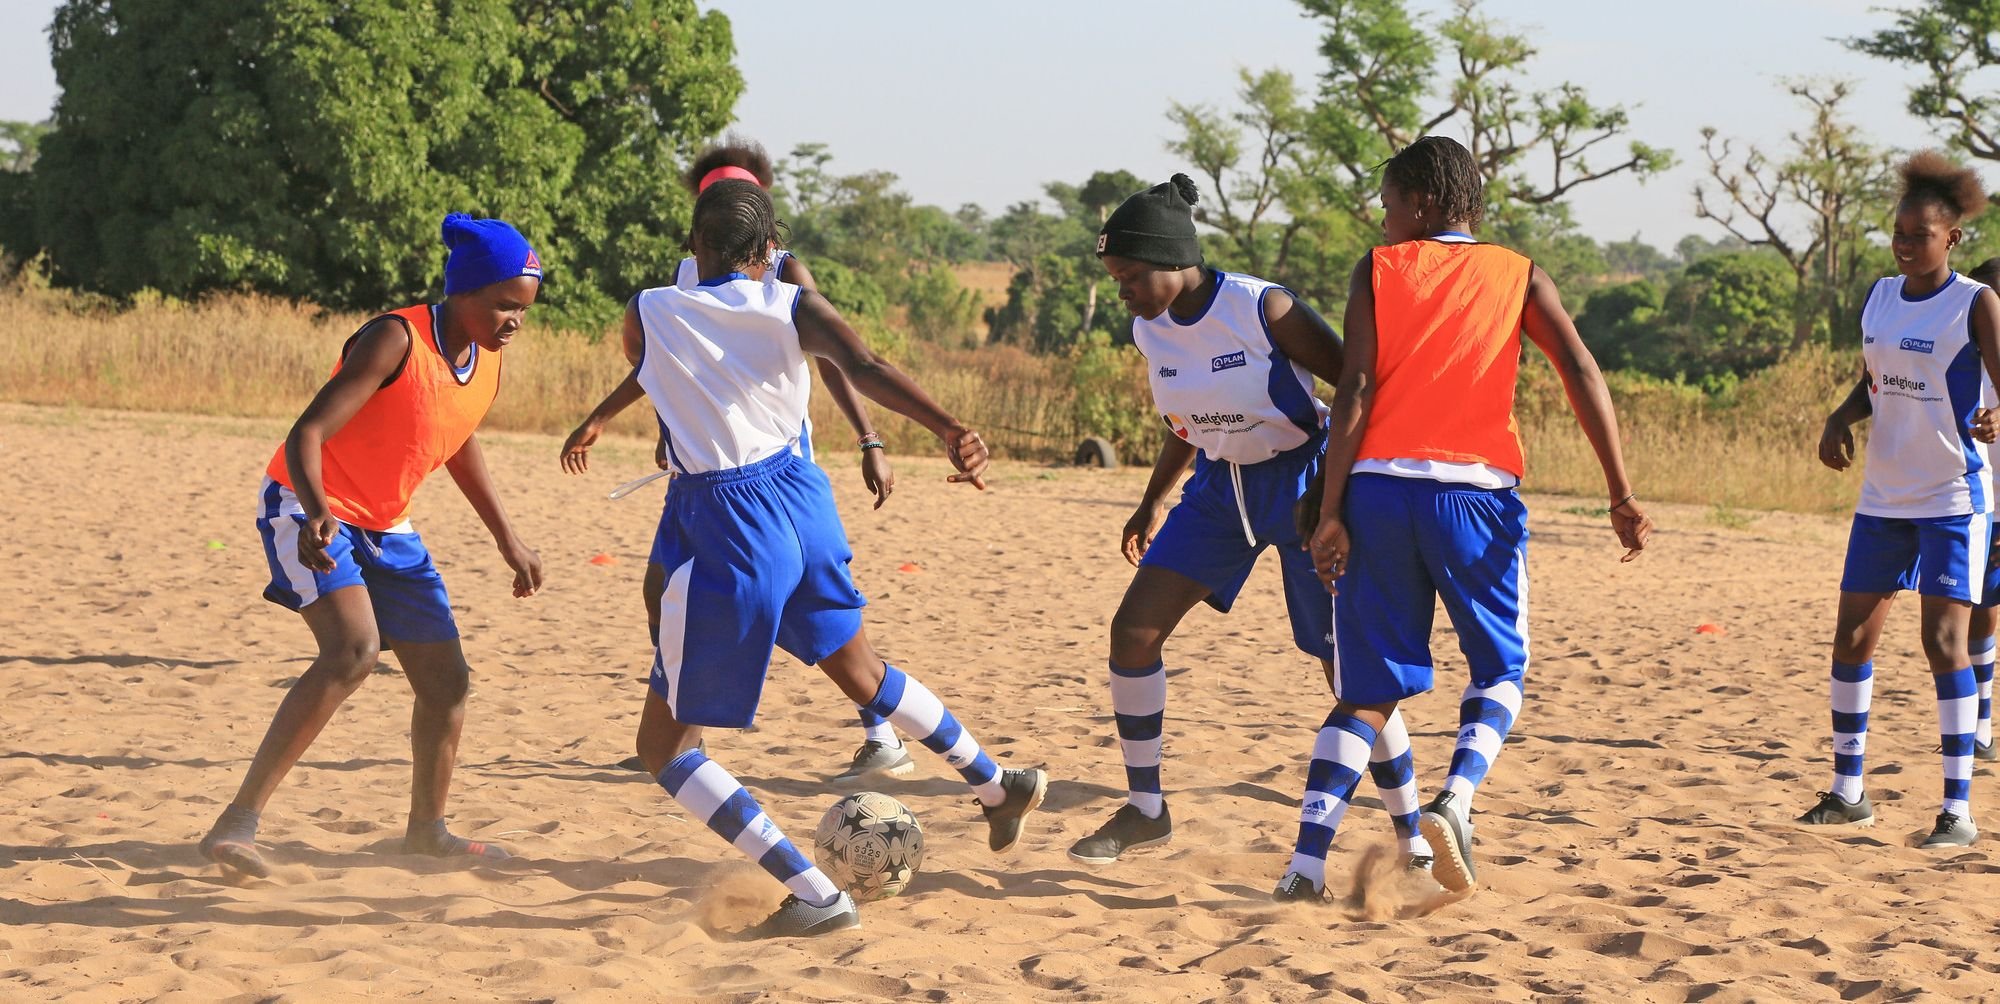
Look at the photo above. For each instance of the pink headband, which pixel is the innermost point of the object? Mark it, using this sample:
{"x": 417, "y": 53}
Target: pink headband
{"x": 725, "y": 173}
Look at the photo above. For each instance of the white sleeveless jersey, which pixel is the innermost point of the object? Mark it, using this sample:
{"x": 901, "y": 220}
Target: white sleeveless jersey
{"x": 1221, "y": 383}
{"x": 687, "y": 276}
{"x": 724, "y": 369}
{"x": 1925, "y": 379}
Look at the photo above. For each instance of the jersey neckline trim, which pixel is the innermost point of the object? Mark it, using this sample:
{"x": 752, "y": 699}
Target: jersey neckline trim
{"x": 1901, "y": 291}
{"x": 461, "y": 376}
{"x": 1215, "y": 275}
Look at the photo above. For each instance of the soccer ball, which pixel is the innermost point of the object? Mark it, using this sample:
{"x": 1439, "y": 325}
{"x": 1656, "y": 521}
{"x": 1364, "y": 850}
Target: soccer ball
{"x": 870, "y": 845}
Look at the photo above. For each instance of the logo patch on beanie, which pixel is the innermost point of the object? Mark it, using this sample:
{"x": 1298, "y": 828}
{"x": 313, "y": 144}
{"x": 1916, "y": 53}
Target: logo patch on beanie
{"x": 533, "y": 266}
{"x": 1101, "y": 239}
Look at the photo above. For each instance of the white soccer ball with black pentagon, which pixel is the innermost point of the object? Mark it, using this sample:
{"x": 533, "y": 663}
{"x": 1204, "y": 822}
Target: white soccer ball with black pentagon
{"x": 870, "y": 845}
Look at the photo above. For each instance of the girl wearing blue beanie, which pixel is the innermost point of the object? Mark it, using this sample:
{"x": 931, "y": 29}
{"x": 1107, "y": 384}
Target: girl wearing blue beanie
{"x": 404, "y": 398}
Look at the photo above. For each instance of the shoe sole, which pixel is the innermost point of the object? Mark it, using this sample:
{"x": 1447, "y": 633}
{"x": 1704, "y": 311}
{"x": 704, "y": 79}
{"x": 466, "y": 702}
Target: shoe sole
{"x": 904, "y": 769}
{"x": 1449, "y": 865}
{"x": 1034, "y": 802}
{"x": 1086, "y": 860}
{"x": 1852, "y": 824}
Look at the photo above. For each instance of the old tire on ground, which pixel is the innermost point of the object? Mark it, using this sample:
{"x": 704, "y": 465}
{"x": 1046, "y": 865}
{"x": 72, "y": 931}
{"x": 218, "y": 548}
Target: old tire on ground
{"x": 1096, "y": 451}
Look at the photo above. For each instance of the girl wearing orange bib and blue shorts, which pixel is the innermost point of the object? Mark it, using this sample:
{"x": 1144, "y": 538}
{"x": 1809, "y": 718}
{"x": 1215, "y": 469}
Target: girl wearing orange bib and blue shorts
{"x": 1422, "y": 463}
{"x": 334, "y": 513}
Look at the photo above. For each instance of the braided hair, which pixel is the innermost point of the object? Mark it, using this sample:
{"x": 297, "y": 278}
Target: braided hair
{"x": 735, "y": 220}
{"x": 1931, "y": 177}
{"x": 1439, "y": 169}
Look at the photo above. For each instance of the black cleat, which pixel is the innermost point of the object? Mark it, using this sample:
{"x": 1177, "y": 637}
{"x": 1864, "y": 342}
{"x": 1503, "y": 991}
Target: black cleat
{"x": 1832, "y": 810}
{"x": 1128, "y": 829}
{"x": 1296, "y": 888}
{"x": 1025, "y": 790}
{"x": 1450, "y": 838}
{"x": 796, "y": 918}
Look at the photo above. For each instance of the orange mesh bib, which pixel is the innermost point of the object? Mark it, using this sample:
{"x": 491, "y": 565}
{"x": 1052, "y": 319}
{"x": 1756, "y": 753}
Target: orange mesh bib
{"x": 408, "y": 429}
{"x": 1447, "y": 327}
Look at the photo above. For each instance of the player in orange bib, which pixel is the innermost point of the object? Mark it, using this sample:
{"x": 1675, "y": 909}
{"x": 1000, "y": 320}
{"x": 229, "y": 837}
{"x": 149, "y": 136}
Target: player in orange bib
{"x": 408, "y": 391}
{"x": 1423, "y": 462}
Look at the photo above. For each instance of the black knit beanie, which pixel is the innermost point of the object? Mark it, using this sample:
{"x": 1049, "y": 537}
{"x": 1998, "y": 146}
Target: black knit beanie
{"x": 1155, "y": 226}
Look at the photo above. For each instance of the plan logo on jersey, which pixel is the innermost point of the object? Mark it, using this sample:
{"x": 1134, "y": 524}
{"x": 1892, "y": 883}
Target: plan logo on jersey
{"x": 1923, "y": 345}
{"x": 1227, "y": 362}
{"x": 1168, "y": 371}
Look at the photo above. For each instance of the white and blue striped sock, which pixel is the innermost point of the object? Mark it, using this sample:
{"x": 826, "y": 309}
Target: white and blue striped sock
{"x": 1958, "y": 714}
{"x": 1982, "y": 671}
{"x": 875, "y": 728}
{"x": 1853, "y": 690}
{"x": 711, "y": 794}
{"x": 1394, "y": 769}
{"x": 1485, "y": 714}
{"x": 1139, "y": 706}
{"x": 1340, "y": 754}
{"x": 919, "y": 713}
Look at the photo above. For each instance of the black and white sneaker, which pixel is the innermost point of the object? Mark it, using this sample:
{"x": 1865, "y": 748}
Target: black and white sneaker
{"x": 1420, "y": 864}
{"x": 796, "y": 918}
{"x": 1296, "y": 888}
{"x": 1450, "y": 837}
{"x": 1952, "y": 830}
{"x": 1833, "y": 810}
{"x": 1988, "y": 752}
{"x": 876, "y": 758}
{"x": 1125, "y": 830}
{"x": 1025, "y": 790}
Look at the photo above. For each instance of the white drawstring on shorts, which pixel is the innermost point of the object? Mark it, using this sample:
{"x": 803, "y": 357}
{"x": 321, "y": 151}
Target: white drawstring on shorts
{"x": 1242, "y": 512}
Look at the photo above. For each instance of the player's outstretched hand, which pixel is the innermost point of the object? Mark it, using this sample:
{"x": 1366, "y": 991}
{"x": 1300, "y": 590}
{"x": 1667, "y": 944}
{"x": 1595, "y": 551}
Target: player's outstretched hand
{"x": 1330, "y": 547}
{"x": 1632, "y": 526}
{"x": 1140, "y": 530}
{"x": 1986, "y": 425}
{"x": 314, "y": 538}
{"x": 1836, "y": 443}
{"x": 527, "y": 566}
{"x": 576, "y": 449}
{"x": 968, "y": 453}
{"x": 877, "y": 475}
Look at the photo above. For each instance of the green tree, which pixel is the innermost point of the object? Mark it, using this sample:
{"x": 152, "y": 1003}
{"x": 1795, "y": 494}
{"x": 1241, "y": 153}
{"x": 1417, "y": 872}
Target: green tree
{"x": 1727, "y": 314}
{"x": 309, "y": 147}
{"x": 1832, "y": 178}
{"x": 1952, "y": 42}
{"x": 1620, "y": 326}
{"x": 1382, "y": 90}
{"x": 20, "y": 142}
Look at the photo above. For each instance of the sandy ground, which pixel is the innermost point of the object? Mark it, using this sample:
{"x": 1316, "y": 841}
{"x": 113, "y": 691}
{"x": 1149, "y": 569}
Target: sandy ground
{"x": 1633, "y": 838}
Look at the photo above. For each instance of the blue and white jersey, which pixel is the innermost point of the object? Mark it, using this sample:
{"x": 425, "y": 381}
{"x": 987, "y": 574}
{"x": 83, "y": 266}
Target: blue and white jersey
{"x": 688, "y": 276}
{"x": 1222, "y": 384}
{"x": 723, "y": 367}
{"x": 1925, "y": 380}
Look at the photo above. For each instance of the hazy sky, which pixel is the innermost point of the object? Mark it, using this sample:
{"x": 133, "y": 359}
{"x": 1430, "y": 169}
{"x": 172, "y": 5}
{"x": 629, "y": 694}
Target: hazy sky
{"x": 983, "y": 103}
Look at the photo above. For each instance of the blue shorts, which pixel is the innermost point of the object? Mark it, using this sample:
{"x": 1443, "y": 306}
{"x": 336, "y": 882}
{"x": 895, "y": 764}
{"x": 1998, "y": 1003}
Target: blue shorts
{"x": 1417, "y": 541}
{"x": 755, "y": 556}
{"x": 1989, "y": 596}
{"x": 403, "y": 585}
{"x": 1203, "y": 538}
{"x": 1943, "y": 556}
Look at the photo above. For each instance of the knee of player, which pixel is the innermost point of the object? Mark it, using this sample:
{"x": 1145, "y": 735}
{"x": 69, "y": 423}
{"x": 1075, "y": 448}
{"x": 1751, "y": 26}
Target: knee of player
{"x": 352, "y": 659}
{"x": 1134, "y": 643}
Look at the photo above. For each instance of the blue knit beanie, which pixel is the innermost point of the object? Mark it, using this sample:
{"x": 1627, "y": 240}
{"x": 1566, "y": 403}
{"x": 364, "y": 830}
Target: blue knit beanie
{"x": 484, "y": 252}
